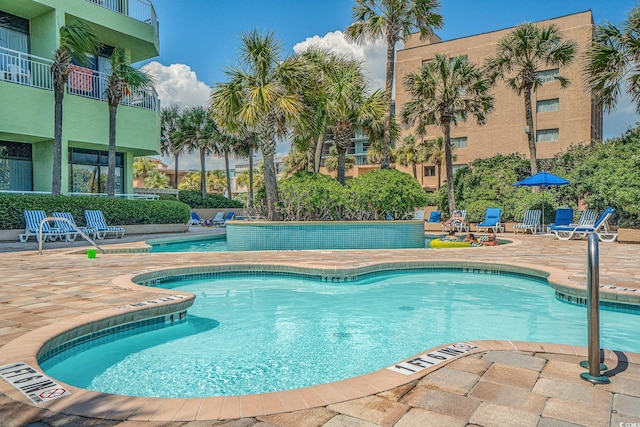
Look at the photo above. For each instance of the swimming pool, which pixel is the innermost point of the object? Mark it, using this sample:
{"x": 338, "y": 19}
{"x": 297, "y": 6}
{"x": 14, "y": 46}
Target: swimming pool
{"x": 256, "y": 333}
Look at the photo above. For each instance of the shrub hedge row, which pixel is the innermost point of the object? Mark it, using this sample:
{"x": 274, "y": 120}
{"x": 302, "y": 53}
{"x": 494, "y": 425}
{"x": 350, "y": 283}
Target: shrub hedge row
{"x": 213, "y": 201}
{"x": 116, "y": 211}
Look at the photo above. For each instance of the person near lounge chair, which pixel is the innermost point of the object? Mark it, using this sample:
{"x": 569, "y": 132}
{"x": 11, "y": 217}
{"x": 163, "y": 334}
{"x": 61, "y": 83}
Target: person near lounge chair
{"x": 456, "y": 218}
{"x": 491, "y": 240}
{"x": 451, "y": 237}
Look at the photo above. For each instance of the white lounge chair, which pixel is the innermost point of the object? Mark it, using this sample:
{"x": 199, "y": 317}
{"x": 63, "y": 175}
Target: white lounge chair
{"x": 531, "y": 222}
{"x": 95, "y": 219}
{"x": 600, "y": 228}
{"x": 228, "y": 217}
{"x": 418, "y": 214}
{"x": 458, "y": 225}
{"x": 195, "y": 220}
{"x": 32, "y": 219}
{"x": 218, "y": 219}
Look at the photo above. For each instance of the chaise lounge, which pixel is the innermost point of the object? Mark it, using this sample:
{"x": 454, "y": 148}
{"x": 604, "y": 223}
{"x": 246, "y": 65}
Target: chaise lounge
{"x": 95, "y": 219}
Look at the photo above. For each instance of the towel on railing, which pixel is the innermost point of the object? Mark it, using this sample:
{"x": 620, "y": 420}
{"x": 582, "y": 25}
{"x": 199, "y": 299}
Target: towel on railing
{"x": 81, "y": 78}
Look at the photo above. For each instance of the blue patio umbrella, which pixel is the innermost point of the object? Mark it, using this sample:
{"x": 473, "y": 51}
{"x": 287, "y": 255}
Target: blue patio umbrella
{"x": 542, "y": 180}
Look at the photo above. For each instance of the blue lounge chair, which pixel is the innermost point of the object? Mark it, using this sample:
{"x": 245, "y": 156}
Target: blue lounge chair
{"x": 195, "y": 220}
{"x": 228, "y": 217}
{"x": 564, "y": 216}
{"x": 491, "y": 220}
{"x": 531, "y": 222}
{"x": 435, "y": 216}
{"x": 95, "y": 219}
{"x": 32, "y": 220}
{"x": 600, "y": 228}
{"x": 72, "y": 232}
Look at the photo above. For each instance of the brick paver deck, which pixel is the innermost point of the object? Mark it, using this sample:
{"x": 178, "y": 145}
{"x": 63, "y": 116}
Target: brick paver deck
{"x": 502, "y": 384}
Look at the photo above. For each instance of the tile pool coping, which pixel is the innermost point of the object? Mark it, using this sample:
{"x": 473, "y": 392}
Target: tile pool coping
{"x": 99, "y": 405}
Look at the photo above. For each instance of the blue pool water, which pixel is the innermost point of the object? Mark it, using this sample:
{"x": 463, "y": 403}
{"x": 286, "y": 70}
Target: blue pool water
{"x": 260, "y": 333}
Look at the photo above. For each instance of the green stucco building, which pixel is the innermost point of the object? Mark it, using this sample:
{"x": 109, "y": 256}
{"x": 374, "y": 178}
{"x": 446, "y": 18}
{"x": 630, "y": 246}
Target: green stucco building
{"x": 29, "y": 34}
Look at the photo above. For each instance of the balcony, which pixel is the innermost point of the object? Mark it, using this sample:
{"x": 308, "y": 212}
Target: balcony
{"x": 30, "y": 70}
{"x": 140, "y": 10}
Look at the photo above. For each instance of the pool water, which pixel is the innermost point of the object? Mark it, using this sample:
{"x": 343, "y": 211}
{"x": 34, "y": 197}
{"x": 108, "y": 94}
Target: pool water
{"x": 250, "y": 334}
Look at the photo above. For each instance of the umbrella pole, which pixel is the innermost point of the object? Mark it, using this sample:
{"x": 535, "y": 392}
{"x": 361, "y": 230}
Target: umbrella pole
{"x": 542, "y": 191}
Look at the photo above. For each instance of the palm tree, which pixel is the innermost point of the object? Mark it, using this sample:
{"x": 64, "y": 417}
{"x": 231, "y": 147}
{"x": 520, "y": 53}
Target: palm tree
{"x": 520, "y": 57}
{"x": 200, "y": 133}
{"x": 349, "y": 109}
{"x": 394, "y": 20}
{"x": 437, "y": 155}
{"x": 76, "y": 40}
{"x": 171, "y": 139}
{"x": 261, "y": 95}
{"x": 245, "y": 148}
{"x": 612, "y": 59}
{"x": 412, "y": 152}
{"x": 123, "y": 78}
{"x": 444, "y": 91}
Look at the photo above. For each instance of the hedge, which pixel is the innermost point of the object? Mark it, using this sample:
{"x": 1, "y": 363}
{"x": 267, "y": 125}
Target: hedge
{"x": 116, "y": 211}
{"x": 212, "y": 201}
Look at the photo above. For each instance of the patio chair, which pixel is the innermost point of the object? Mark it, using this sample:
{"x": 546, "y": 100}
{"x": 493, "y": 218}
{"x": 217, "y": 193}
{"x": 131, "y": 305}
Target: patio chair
{"x": 457, "y": 222}
{"x": 418, "y": 215}
{"x": 218, "y": 219}
{"x": 600, "y": 227}
{"x": 195, "y": 220}
{"x": 531, "y": 222}
{"x": 228, "y": 217}
{"x": 32, "y": 219}
{"x": 95, "y": 219}
{"x": 564, "y": 216}
{"x": 491, "y": 220}
{"x": 73, "y": 232}
{"x": 435, "y": 216}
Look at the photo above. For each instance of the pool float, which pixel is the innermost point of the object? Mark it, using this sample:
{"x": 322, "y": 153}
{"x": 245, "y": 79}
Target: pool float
{"x": 437, "y": 244}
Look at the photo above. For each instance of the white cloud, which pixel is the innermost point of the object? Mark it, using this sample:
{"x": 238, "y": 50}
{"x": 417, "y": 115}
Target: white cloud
{"x": 178, "y": 84}
{"x": 373, "y": 55}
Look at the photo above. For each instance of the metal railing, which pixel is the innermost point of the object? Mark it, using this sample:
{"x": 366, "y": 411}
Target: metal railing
{"x": 140, "y": 10}
{"x": 30, "y": 70}
{"x": 75, "y": 228}
{"x": 125, "y": 196}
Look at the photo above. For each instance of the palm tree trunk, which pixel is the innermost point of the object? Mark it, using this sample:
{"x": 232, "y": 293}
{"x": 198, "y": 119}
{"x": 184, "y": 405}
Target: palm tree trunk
{"x": 175, "y": 172}
{"x": 203, "y": 174}
{"x": 226, "y": 166}
{"x": 439, "y": 174}
{"x": 449, "y": 165}
{"x": 111, "y": 171}
{"x": 386, "y": 143}
{"x": 270, "y": 179}
{"x": 318, "y": 154}
{"x": 415, "y": 170}
{"x": 342, "y": 163}
{"x": 251, "y": 174}
{"x": 531, "y": 136}
{"x": 56, "y": 182}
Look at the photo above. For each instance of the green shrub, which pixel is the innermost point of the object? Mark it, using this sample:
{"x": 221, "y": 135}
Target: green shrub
{"x": 116, "y": 211}
{"x": 306, "y": 196}
{"x": 212, "y": 201}
{"x": 384, "y": 192}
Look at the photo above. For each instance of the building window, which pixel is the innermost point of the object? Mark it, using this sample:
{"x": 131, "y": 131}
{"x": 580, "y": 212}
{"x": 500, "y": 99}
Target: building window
{"x": 429, "y": 171}
{"x": 547, "y": 105}
{"x": 16, "y": 167}
{"x": 14, "y": 33}
{"x": 88, "y": 171}
{"x": 547, "y": 135}
{"x": 548, "y": 75}
{"x": 459, "y": 142}
{"x": 456, "y": 168}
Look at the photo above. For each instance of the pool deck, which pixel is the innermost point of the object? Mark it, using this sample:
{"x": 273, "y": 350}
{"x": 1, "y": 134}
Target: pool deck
{"x": 502, "y": 383}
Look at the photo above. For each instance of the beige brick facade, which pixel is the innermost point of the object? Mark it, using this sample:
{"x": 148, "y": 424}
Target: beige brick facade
{"x": 577, "y": 119}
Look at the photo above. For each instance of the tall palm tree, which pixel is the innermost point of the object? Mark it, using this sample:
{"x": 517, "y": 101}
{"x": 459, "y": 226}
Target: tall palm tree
{"x": 263, "y": 95}
{"x": 613, "y": 59}
{"x": 412, "y": 152}
{"x": 171, "y": 138}
{"x": 76, "y": 40}
{"x": 446, "y": 90}
{"x": 520, "y": 57}
{"x": 394, "y": 20}
{"x": 200, "y": 134}
{"x": 349, "y": 109}
{"x": 123, "y": 78}
{"x": 245, "y": 147}
{"x": 437, "y": 155}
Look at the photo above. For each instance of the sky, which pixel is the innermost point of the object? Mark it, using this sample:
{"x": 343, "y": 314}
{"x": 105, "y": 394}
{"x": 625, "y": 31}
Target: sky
{"x": 199, "y": 40}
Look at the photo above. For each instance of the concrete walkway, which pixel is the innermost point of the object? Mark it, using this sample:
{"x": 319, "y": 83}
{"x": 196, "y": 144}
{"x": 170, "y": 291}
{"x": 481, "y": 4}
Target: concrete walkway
{"x": 501, "y": 384}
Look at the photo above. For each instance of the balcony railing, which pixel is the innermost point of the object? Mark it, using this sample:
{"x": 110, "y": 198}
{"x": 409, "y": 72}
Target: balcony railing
{"x": 30, "y": 70}
{"x": 140, "y": 10}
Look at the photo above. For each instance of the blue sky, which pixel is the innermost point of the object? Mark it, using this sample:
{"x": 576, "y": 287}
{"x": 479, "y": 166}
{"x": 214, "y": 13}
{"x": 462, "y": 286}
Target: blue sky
{"x": 203, "y": 35}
